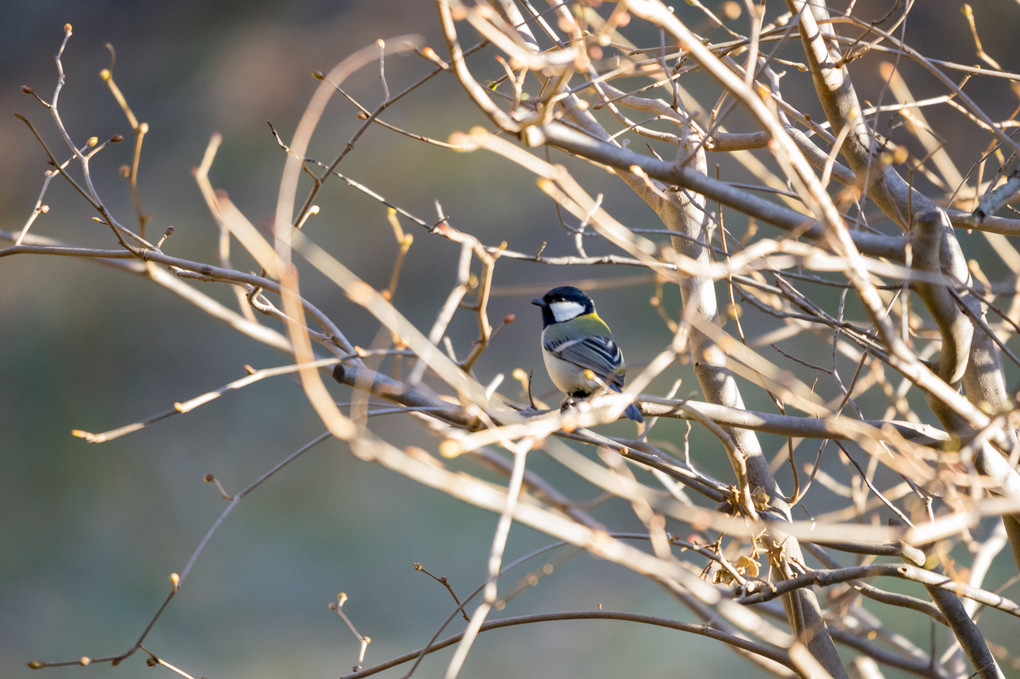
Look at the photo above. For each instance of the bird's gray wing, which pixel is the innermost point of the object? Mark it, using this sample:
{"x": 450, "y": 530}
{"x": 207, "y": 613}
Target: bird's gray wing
{"x": 601, "y": 355}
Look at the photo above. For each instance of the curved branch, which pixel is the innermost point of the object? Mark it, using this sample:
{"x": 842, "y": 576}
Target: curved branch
{"x": 773, "y": 653}
{"x": 574, "y": 141}
{"x": 925, "y": 577}
{"x": 927, "y": 235}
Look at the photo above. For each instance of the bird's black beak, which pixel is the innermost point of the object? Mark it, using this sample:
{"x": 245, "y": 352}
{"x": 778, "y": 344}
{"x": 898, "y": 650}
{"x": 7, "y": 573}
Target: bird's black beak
{"x": 538, "y": 302}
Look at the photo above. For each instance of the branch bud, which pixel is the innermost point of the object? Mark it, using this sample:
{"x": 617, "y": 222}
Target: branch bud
{"x": 450, "y": 448}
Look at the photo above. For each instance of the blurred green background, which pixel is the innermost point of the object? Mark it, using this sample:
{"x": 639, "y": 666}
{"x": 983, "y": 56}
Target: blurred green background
{"x": 90, "y": 533}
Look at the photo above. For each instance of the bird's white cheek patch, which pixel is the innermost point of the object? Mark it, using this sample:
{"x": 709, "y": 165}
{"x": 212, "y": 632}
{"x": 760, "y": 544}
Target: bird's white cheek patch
{"x": 564, "y": 311}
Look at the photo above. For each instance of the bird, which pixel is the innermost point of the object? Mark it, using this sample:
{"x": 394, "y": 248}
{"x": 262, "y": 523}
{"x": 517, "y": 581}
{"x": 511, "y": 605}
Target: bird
{"x": 574, "y": 341}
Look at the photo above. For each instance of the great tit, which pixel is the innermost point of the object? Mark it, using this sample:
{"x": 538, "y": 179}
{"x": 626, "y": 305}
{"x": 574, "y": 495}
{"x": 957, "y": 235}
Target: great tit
{"x": 575, "y": 340}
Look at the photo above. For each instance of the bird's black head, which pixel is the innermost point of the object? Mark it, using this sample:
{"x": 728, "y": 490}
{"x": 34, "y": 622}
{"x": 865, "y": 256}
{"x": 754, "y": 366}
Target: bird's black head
{"x": 563, "y": 304}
